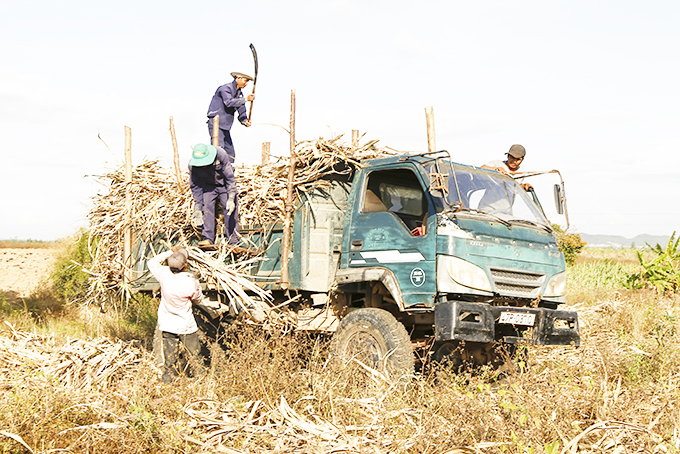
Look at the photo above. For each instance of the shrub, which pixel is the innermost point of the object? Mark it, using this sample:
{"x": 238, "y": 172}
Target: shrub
{"x": 662, "y": 272}
{"x": 70, "y": 281}
{"x": 570, "y": 244}
{"x": 134, "y": 319}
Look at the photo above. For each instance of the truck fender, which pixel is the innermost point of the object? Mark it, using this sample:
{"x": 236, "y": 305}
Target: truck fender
{"x": 372, "y": 274}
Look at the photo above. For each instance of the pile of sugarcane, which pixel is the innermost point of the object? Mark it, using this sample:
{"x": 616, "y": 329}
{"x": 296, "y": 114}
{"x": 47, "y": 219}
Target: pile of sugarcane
{"x": 160, "y": 206}
{"x": 263, "y": 188}
{"x": 78, "y": 364}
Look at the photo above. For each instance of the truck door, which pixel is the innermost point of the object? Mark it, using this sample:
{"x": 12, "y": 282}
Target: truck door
{"x": 393, "y": 226}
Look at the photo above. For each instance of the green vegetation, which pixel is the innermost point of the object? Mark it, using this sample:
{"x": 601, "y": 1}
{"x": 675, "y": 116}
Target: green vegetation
{"x": 69, "y": 279}
{"x": 570, "y": 244}
{"x": 662, "y": 272}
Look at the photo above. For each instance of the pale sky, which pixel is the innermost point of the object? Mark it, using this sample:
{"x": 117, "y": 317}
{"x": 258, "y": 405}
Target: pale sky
{"x": 590, "y": 88}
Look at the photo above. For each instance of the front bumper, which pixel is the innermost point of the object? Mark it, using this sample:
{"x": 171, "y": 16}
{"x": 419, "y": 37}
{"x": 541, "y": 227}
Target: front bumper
{"x": 480, "y": 322}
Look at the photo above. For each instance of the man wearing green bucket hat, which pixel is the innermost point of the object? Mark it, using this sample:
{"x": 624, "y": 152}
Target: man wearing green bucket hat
{"x": 211, "y": 177}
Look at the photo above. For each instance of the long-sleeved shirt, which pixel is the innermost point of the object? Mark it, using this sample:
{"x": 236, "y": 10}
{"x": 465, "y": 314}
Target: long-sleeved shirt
{"x": 218, "y": 175}
{"x": 225, "y": 102}
{"x": 178, "y": 291}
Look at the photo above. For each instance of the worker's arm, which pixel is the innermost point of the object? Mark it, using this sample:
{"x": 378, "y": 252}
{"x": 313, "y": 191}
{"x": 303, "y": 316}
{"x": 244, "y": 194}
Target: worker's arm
{"x": 500, "y": 169}
{"x": 197, "y": 297}
{"x": 227, "y": 172}
{"x": 154, "y": 264}
{"x": 196, "y": 190}
{"x": 231, "y": 99}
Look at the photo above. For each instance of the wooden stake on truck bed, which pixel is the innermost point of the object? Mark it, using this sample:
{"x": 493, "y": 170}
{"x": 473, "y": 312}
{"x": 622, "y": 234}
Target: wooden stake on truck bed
{"x": 429, "y": 118}
{"x": 265, "y": 152}
{"x": 216, "y": 131}
{"x": 289, "y": 198}
{"x": 178, "y": 171}
{"x": 127, "y": 240}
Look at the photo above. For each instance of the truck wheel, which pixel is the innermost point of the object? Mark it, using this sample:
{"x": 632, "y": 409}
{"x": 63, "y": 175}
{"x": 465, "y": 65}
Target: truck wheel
{"x": 375, "y": 338}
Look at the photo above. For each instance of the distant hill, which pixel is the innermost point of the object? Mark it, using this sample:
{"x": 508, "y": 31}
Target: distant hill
{"x": 617, "y": 242}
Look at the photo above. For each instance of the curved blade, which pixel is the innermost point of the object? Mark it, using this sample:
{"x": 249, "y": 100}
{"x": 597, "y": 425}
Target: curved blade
{"x": 252, "y": 48}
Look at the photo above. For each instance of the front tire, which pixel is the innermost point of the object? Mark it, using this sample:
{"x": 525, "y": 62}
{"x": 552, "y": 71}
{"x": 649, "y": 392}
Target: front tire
{"x": 375, "y": 338}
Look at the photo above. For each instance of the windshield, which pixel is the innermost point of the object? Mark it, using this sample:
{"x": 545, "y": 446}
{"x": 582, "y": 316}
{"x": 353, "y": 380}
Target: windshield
{"x": 486, "y": 192}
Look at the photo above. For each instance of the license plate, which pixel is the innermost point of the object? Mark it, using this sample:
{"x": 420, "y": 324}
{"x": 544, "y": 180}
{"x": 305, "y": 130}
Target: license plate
{"x": 517, "y": 318}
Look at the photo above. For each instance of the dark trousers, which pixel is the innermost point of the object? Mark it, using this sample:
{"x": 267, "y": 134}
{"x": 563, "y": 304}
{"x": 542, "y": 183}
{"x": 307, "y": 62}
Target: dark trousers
{"x": 224, "y": 140}
{"x": 231, "y": 227}
{"x": 172, "y": 345}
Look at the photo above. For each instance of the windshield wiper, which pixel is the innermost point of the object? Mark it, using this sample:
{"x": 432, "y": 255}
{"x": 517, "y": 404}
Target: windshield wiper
{"x": 473, "y": 210}
{"x": 526, "y": 221}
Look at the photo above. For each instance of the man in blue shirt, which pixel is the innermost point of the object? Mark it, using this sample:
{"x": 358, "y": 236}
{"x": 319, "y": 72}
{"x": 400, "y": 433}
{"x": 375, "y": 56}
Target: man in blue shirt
{"x": 229, "y": 99}
{"x": 211, "y": 177}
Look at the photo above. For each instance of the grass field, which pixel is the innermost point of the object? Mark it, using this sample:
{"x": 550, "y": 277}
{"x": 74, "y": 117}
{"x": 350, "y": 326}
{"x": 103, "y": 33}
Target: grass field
{"x": 76, "y": 381}
{"x": 27, "y": 244}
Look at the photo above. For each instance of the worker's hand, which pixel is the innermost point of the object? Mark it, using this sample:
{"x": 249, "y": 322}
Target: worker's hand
{"x": 230, "y": 206}
{"x": 246, "y": 123}
{"x": 197, "y": 218}
{"x": 527, "y": 186}
{"x": 250, "y": 97}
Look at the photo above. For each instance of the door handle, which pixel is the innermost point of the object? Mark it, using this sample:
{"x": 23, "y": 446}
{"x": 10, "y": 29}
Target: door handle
{"x": 357, "y": 244}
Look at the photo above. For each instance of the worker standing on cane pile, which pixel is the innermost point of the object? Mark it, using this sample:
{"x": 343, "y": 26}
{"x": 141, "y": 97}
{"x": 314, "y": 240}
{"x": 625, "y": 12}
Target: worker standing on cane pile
{"x": 211, "y": 177}
{"x": 227, "y": 100}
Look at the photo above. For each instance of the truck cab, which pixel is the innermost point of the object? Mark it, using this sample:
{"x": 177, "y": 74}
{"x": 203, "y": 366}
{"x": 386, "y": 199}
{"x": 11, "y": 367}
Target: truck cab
{"x": 460, "y": 259}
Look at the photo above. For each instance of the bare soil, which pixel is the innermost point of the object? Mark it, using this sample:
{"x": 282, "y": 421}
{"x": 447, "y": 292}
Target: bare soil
{"x": 22, "y": 270}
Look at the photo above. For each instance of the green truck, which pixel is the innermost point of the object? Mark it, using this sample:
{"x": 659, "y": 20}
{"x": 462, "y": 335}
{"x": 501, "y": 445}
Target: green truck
{"x": 417, "y": 253}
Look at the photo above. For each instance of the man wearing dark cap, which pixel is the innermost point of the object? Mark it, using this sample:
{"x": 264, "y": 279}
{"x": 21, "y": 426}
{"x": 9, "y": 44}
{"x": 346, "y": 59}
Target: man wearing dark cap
{"x": 211, "y": 177}
{"x": 179, "y": 290}
{"x": 229, "y": 99}
{"x": 510, "y": 166}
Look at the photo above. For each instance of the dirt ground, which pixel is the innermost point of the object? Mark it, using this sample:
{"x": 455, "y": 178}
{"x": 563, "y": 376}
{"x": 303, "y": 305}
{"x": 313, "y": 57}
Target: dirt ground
{"x": 22, "y": 270}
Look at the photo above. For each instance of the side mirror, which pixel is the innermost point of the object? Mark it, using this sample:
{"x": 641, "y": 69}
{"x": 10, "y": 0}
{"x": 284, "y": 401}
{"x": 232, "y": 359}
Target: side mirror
{"x": 559, "y": 199}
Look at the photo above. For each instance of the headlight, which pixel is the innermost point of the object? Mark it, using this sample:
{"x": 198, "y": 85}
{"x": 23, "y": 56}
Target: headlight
{"x": 557, "y": 285}
{"x": 467, "y": 274}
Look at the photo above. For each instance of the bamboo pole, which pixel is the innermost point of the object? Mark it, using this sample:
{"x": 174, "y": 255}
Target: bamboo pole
{"x": 429, "y": 118}
{"x": 355, "y": 138}
{"x": 178, "y": 171}
{"x": 127, "y": 240}
{"x": 216, "y": 131}
{"x": 285, "y": 283}
{"x": 265, "y": 152}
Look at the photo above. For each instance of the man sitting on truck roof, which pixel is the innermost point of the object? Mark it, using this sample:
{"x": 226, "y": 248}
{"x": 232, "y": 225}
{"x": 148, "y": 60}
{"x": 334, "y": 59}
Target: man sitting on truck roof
{"x": 511, "y": 165}
{"x": 211, "y": 177}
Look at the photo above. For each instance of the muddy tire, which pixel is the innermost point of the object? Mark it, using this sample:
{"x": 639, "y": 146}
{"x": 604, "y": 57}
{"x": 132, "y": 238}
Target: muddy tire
{"x": 375, "y": 338}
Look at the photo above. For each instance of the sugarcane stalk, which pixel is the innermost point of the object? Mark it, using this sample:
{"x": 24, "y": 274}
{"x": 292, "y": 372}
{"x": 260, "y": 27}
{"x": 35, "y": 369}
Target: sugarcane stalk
{"x": 285, "y": 283}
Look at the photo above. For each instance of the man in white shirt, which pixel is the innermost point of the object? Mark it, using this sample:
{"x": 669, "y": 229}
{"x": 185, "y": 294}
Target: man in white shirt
{"x": 511, "y": 165}
{"x": 179, "y": 290}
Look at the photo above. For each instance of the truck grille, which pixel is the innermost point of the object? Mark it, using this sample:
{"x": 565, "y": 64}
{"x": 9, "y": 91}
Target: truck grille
{"x": 517, "y": 282}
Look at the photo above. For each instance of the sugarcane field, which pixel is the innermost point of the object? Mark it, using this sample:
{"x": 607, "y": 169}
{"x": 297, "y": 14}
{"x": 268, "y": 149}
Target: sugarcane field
{"x": 339, "y": 295}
